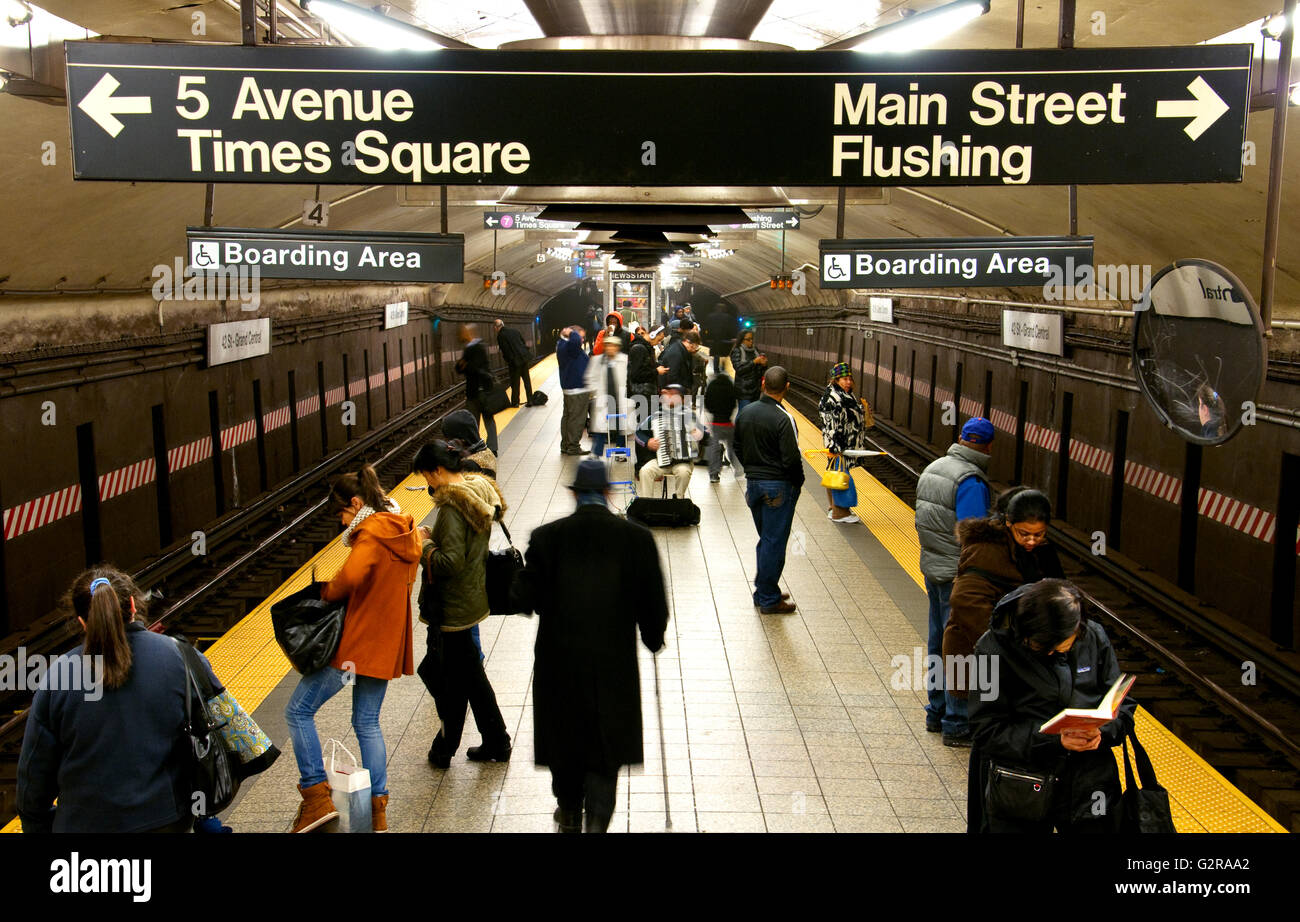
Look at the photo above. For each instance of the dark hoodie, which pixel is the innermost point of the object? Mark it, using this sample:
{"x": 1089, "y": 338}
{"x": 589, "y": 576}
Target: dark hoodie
{"x": 1031, "y": 688}
{"x": 463, "y": 428}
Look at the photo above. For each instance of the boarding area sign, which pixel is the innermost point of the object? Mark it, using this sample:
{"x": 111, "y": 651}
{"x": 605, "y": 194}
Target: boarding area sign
{"x": 970, "y": 262}
{"x": 340, "y": 115}
{"x": 328, "y": 256}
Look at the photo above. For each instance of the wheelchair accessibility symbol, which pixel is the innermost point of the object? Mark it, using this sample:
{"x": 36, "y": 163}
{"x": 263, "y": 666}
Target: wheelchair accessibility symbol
{"x": 205, "y": 254}
{"x": 836, "y": 267}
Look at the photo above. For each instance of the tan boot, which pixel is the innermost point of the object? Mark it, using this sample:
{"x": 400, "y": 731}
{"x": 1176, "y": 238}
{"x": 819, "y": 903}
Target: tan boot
{"x": 316, "y": 809}
{"x": 379, "y": 813}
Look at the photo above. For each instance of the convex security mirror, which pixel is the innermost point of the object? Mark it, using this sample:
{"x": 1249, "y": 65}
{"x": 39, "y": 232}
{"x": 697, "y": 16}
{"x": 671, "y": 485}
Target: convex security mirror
{"x": 1199, "y": 351}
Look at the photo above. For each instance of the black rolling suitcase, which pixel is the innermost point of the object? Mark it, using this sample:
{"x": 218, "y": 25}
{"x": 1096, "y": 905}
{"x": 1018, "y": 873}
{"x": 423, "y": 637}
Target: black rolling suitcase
{"x": 664, "y": 513}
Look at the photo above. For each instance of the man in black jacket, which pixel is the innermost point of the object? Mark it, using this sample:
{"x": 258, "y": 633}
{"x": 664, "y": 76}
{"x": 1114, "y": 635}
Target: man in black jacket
{"x": 677, "y": 363}
{"x": 474, "y": 366}
{"x": 515, "y": 352}
{"x": 642, "y": 375}
{"x": 769, "y": 450}
{"x": 586, "y": 686}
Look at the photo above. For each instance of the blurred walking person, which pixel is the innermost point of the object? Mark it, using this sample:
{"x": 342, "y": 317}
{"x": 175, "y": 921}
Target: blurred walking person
{"x": 586, "y": 685}
{"x": 610, "y": 416}
{"x": 476, "y": 367}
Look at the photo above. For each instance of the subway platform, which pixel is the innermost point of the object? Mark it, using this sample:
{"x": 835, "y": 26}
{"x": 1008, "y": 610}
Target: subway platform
{"x": 770, "y": 723}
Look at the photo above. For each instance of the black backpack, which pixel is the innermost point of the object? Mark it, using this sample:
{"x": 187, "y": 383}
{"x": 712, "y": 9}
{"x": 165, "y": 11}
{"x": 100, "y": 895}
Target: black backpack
{"x": 538, "y": 399}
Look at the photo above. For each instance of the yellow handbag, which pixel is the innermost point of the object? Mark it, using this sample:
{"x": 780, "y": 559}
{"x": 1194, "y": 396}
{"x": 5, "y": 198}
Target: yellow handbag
{"x": 869, "y": 418}
{"x": 833, "y": 478}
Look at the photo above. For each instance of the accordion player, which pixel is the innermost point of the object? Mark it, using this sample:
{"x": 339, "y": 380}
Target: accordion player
{"x": 669, "y": 441}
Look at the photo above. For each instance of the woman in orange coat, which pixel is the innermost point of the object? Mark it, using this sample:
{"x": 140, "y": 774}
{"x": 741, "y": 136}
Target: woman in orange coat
{"x": 376, "y": 644}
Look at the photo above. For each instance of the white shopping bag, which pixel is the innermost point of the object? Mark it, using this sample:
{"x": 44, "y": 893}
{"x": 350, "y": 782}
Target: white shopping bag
{"x": 349, "y": 787}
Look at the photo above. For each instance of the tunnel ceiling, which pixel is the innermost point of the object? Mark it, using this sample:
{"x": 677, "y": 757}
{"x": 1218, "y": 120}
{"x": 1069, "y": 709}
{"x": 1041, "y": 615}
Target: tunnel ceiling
{"x": 60, "y": 235}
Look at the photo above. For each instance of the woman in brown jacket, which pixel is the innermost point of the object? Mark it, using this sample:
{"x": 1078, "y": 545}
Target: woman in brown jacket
{"x": 376, "y": 644}
{"x": 998, "y": 554}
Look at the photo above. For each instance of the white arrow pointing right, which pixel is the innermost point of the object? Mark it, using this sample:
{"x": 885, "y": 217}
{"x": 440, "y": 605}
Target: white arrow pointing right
{"x": 102, "y": 106}
{"x": 1204, "y": 109}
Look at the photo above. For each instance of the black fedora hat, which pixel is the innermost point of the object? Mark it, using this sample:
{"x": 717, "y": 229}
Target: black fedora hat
{"x": 591, "y": 477}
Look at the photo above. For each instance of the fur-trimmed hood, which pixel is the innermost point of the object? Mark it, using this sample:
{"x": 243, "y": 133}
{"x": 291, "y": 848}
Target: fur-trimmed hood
{"x": 981, "y": 531}
{"x": 475, "y": 498}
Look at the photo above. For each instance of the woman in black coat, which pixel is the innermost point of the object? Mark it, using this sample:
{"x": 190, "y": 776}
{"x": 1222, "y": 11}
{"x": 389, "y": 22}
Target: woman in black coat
{"x": 1040, "y": 656}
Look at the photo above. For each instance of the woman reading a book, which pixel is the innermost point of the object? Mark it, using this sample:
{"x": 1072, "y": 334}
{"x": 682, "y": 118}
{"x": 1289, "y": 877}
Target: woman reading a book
{"x": 1044, "y": 656}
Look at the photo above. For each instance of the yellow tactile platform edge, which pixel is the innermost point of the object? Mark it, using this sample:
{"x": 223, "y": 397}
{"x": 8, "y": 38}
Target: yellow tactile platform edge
{"x": 246, "y": 658}
{"x": 1201, "y": 799}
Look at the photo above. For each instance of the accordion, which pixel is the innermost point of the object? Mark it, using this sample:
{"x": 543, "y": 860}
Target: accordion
{"x": 672, "y": 427}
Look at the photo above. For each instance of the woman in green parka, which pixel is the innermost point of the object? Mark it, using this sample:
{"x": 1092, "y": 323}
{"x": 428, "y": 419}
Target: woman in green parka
{"x": 453, "y": 600}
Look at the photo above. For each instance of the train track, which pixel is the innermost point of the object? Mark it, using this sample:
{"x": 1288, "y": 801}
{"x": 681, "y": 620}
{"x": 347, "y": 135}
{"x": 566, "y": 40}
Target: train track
{"x": 1233, "y": 701}
{"x": 250, "y": 552}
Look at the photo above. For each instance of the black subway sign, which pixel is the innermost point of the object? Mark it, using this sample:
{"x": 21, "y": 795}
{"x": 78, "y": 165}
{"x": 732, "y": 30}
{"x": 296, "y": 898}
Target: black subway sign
{"x": 969, "y": 262}
{"x": 336, "y": 255}
{"x": 295, "y": 114}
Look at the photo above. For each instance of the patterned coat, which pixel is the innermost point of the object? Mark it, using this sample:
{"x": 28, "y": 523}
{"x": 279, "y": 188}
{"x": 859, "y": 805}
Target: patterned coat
{"x": 843, "y": 420}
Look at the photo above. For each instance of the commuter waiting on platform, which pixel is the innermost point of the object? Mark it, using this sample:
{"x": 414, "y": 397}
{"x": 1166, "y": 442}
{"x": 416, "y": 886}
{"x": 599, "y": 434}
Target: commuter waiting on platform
{"x": 998, "y": 554}
{"x": 610, "y": 415}
{"x": 613, "y": 327}
{"x": 102, "y": 734}
{"x": 670, "y": 441}
{"x": 720, "y": 406}
{"x": 453, "y": 599}
{"x": 586, "y": 686}
{"x": 572, "y": 362}
{"x": 1049, "y": 657}
{"x": 376, "y": 646}
{"x": 517, "y": 357}
{"x": 642, "y": 375}
{"x": 474, "y": 365}
{"x": 677, "y": 362}
{"x": 844, "y": 428}
{"x": 748, "y": 365}
{"x": 951, "y": 488}
{"x": 460, "y": 427}
{"x": 769, "y": 449}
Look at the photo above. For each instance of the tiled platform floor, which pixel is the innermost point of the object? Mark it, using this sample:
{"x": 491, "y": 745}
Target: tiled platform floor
{"x": 770, "y": 723}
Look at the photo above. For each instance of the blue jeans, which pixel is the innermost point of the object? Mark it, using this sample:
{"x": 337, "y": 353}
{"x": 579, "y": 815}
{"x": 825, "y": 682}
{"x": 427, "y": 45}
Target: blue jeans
{"x": 300, "y": 714}
{"x": 478, "y": 644}
{"x": 943, "y": 706}
{"x": 771, "y": 502}
{"x": 599, "y": 440}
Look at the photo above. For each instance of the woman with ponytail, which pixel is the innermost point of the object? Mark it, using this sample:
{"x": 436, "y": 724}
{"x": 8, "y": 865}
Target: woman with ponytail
{"x": 102, "y": 732}
{"x": 376, "y": 645}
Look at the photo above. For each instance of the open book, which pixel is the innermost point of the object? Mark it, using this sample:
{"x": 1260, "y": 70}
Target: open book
{"x": 1087, "y": 718}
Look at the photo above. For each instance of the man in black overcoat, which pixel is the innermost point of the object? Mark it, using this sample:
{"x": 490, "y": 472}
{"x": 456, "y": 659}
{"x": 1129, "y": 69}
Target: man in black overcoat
{"x": 517, "y": 357}
{"x": 586, "y": 685}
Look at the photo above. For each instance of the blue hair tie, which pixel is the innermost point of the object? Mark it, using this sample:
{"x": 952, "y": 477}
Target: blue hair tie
{"x": 96, "y": 583}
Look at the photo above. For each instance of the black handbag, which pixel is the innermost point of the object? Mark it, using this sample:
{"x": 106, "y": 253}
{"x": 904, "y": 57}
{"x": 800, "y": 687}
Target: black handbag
{"x": 1144, "y": 809}
{"x": 210, "y": 768}
{"x": 308, "y": 628}
{"x": 502, "y": 567}
{"x": 1016, "y": 794}
{"x": 493, "y": 399}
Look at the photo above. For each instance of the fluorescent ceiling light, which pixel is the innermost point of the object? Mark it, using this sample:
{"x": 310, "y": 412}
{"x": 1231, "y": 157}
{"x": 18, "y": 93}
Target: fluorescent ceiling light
{"x": 922, "y": 29}
{"x": 366, "y": 27}
{"x": 1275, "y": 24}
{"x": 16, "y": 12}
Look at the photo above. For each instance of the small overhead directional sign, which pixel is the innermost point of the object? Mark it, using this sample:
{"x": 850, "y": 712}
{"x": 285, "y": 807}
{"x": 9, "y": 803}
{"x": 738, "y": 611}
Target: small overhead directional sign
{"x": 522, "y": 220}
{"x": 183, "y": 112}
{"x": 356, "y": 255}
{"x": 764, "y": 220}
{"x": 963, "y": 262}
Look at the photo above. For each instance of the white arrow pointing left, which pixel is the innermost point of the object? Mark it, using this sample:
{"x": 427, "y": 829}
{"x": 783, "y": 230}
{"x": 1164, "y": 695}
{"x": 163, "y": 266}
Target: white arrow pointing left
{"x": 101, "y": 105}
{"x": 1203, "y": 109}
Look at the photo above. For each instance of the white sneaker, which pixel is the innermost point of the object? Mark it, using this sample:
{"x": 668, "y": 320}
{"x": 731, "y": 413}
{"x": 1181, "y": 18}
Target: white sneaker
{"x": 847, "y": 520}
{"x": 829, "y": 514}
